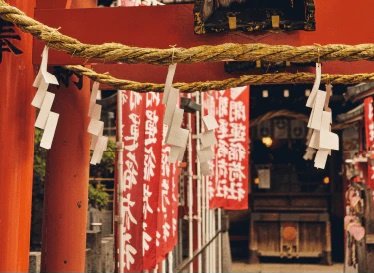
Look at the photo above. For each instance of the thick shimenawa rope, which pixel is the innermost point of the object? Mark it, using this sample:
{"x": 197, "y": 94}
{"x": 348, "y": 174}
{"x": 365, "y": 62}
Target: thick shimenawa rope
{"x": 277, "y": 78}
{"x": 115, "y": 52}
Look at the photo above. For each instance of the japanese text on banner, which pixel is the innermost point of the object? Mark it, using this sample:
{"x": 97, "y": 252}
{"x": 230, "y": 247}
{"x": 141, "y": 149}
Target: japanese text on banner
{"x": 228, "y": 187}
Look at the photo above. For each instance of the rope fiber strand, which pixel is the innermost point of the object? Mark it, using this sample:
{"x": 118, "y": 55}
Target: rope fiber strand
{"x": 115, "y": 52}
{"x": 278, "y": 78}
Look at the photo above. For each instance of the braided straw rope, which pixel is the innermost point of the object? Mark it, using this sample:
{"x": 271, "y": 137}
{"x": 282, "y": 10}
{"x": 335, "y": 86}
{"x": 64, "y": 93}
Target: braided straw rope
{"x": 115, "y": 52}
{"x": 278, "y": 78}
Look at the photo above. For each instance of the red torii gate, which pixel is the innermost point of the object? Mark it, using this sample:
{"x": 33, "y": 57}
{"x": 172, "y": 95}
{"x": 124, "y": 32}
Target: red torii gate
{"x": 164, "y": 26}
{"x": 161, "y": 26}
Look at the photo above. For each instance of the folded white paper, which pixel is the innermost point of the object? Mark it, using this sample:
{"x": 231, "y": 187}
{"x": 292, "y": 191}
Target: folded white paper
{"x": 40, "y": 94}
{"x": 45, "y": 108}
{"x": 93, "y": 97}
{"x": 95, "y": 127}
{"x": 94, "y": 140}
{"x": 309, "y": 135}
{"x": 177, "y": 118}
{"x": 317, "y": 82}
{"x": 49, "y": 131}
{"x": 178, "y": 137}
{"x": 314, "y": 140}
{"x": 100, "y": 147}
{"x": 205, "y": 168}
{"x": 43, "y": 73}
{"x": 329, "y": 140}
{"x": 49, "y": 78}
{"x": 210, "y": 122}
{"x": 321, "y": 158}
{"x": 316, "y": 115}
{"x": 176, "y": 153}
{"x": 170, "y": 106}
{"x": 176, "y": 122}
{"x": 168, "y": 82}
{"x": 181, "y": 153}
{"x": 309, "y": 154}
{"x": 96, "y": 112}
{"x": 326, "y": 121}
{"x": 205, "y": 155}
{"x": 208, "y": 138}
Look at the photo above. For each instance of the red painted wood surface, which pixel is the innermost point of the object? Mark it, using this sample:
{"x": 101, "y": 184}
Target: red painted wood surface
{"x": 17, "y": 145}
{"x": 336, "y": 23}
{"x": 66, "y": 187}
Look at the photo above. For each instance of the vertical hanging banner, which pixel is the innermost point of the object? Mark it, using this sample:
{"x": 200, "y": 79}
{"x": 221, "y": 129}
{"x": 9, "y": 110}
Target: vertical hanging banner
{"x": 229, "y": 184}
{"x": 151, "y": 178}
{"x": 167, "y": 232}
{"x": 133, "y": 158}
{"x": 369, "y": 135}
{"x": 142, "y": 137}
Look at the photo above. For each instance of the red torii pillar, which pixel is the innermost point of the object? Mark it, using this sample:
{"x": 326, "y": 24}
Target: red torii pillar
{"x": 17, "y": 144}
{"x": 67, "y": 174}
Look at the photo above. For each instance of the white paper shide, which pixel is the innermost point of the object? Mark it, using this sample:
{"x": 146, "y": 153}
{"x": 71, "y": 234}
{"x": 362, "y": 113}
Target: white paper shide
{"x": 95, "y": 128}
{"x": 176, "y": 137}
{"x": 320, "y": 138}
{"x": 46, "y": 119}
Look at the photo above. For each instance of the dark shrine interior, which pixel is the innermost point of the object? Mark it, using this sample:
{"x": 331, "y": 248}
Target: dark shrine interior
{"x": 296, "y": 187}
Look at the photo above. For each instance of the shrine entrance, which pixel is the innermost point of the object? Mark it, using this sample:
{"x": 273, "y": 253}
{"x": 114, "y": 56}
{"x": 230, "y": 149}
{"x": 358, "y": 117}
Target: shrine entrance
{"x": 165, "y": 143}
{"x": 295, "y": 209}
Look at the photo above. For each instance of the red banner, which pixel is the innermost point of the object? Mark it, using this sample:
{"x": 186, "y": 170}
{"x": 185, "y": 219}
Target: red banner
{"x": 228, "y": 186}
{"x": 167, "y": 234}
{"x": 369, "y": 135}
{"x": 151, "y": 185}
{"x": 133, "y": 115}
{"x": 150, "y": 197}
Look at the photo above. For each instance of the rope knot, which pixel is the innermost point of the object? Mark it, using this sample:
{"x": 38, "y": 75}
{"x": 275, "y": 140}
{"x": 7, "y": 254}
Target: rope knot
{"x": 173, "y": 47}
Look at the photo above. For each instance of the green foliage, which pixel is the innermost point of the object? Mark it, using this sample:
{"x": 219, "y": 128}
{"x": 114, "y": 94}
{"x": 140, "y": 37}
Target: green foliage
{"x": 40, "y": 156}
{"x": 97, "y": 196}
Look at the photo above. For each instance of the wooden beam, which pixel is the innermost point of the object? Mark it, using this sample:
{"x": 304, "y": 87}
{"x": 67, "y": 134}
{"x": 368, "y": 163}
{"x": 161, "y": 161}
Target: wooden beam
{"x": 210, "y": 71}
{"x": 164, "y": 26}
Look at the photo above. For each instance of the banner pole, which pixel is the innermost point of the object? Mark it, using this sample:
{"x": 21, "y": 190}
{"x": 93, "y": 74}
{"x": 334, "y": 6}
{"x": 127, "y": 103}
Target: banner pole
{"x": 207, "y": 226}
{"x": 170, "y": 262}
{"x": 203, "y": 218}
{"x": 120, "y": 227}
{"x": 190, "y": 195}
{"x": 205, "y": 215}
{"x": 199, "y": 176}
{"x": 220, "y": 241}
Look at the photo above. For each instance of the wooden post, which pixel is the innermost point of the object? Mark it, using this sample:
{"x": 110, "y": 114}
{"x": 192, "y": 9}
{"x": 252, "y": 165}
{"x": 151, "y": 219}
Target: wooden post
{"x": 66, "y": 187}
{"x": 16, "y": 145}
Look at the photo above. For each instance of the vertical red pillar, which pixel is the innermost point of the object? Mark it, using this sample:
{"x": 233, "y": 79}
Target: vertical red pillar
{"x": 16, "y": 146}
{"x": 66, "y": 187}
